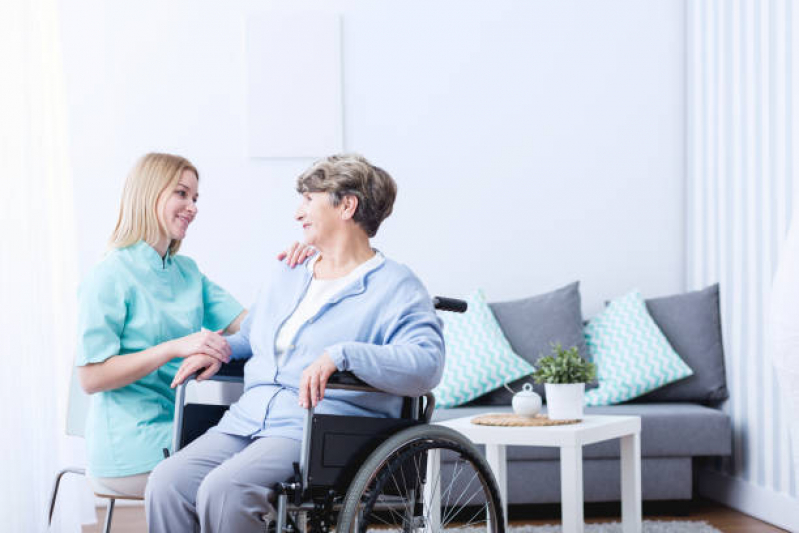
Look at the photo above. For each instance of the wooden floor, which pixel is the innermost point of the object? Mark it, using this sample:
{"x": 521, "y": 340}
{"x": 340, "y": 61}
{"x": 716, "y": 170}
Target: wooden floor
{"x": 131, "y": 519}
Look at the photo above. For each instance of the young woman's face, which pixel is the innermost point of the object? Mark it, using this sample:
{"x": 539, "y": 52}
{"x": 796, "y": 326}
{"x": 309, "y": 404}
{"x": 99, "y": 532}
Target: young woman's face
{"x": 177, "y": 208}
{"x": 318, "y": 217}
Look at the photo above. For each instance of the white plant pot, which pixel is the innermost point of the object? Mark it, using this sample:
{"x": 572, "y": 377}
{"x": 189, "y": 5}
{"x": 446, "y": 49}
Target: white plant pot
{"x": 565, "y": 401}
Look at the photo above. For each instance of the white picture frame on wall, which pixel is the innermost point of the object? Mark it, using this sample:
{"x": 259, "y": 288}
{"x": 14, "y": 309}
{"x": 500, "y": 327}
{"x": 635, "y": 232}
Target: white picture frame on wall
{"x": 294, "y": 87}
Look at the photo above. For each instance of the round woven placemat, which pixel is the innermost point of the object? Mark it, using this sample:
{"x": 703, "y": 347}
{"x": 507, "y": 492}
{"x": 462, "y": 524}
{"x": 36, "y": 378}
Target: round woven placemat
{"x": 510, "y": 419}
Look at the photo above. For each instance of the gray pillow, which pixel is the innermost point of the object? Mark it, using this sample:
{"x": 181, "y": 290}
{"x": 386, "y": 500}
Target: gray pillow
{"x": 691, "y": 323}
{"x": 531, "y": 324}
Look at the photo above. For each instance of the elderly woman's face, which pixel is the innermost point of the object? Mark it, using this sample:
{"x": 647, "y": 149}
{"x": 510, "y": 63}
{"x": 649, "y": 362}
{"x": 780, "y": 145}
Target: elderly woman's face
{"x": 318, "y": 217}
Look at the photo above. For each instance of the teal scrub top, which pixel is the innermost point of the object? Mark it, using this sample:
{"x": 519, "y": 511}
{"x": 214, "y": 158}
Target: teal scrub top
{"x": 133, "y": 300}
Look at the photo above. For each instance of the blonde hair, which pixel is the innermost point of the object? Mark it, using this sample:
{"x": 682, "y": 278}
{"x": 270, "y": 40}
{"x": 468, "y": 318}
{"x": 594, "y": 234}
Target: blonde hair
{"x": 351, "y": 174}
{"x": 138, "y": 216}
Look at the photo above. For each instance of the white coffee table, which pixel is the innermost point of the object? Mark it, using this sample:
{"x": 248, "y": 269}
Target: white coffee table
{"x": 570, "y": 439}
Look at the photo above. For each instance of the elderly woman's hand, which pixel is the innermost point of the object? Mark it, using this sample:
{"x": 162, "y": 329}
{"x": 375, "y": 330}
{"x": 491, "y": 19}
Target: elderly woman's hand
{"x": 193, "y": 364}
{"x": 296, "y": 253}
{"x": 314, "y": 380}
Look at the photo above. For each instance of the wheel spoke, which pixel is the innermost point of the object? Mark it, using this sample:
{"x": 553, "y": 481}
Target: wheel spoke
{"x": 478, "y": 512}
{"x": 456, "y": 472}
{"x": 455, "y": 506}
{"x": 398, "y": 488}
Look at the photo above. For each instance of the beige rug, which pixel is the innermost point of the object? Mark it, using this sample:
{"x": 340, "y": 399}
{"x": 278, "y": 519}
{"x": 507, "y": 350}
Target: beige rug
{"x": 650, "y": 526}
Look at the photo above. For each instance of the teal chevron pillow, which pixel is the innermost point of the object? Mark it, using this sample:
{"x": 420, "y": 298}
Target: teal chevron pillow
{"x": 632, "y": 355}
{"x": 479, "y": 357}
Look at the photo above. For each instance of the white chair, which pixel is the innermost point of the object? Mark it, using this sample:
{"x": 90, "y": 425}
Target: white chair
{"x": 77, "y": 407}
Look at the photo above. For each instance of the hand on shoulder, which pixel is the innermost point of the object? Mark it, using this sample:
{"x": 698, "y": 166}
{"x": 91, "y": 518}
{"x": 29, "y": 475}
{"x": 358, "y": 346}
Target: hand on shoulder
{"x": 296, "y": 254}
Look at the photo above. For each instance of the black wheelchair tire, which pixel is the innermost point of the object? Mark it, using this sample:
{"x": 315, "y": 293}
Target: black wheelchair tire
{"x": 395, "y": 452}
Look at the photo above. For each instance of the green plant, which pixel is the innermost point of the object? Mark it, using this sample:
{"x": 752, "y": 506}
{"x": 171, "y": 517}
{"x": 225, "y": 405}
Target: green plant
{"x": 564, "y": 366}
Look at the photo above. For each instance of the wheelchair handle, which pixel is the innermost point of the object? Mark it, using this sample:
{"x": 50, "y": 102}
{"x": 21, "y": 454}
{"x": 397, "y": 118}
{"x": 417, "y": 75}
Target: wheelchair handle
{"x": 450, "y": 304}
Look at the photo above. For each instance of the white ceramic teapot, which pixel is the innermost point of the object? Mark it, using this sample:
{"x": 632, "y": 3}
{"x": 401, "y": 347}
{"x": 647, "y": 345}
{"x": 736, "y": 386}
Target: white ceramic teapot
{"x": 526, "y": 402}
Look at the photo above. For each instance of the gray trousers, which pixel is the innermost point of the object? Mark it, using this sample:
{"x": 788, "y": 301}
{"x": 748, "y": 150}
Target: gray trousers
{"x": 218, "y": 483}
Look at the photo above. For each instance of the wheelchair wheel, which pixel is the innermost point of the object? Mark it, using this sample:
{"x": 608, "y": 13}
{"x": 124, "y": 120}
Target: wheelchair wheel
{"x": 393, "y": 489}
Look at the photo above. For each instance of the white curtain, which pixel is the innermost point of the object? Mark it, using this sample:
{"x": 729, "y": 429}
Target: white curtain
{"x": 742, "y": 109}
{"x": 37, "y": 271}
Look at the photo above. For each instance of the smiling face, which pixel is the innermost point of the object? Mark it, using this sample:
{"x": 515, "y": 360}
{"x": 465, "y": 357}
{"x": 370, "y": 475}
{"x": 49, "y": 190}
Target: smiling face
{"x": 177, "y": 207}
{"x": 319, "y": 218}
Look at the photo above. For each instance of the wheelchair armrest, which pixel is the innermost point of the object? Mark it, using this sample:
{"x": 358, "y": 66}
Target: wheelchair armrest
{"x": 232, "y": 372}
{"x": 348, "y": 381}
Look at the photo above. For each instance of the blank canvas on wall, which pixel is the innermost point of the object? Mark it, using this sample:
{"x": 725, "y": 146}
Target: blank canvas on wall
{"x": 294, "y": 100}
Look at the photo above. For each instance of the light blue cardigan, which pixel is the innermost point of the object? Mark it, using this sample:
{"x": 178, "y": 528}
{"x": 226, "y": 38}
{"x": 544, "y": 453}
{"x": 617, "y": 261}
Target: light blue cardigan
{"x": 382, "y": 327}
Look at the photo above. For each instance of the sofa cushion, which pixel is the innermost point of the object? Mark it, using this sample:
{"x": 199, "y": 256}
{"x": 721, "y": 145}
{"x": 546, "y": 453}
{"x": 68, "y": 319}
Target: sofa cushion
{"x": 667, "y": 430}
{"x": 531, "y": 325}
{"x": 632, "y": 355}
{"x": 692, "y": 324}
{"x": 479, "y": 358}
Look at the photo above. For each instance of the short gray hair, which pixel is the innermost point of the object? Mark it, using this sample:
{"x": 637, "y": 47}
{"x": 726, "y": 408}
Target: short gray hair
{"x": 352, "y": 175}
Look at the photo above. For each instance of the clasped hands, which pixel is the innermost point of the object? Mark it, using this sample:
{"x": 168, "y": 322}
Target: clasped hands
{"x": 202, "y": 350}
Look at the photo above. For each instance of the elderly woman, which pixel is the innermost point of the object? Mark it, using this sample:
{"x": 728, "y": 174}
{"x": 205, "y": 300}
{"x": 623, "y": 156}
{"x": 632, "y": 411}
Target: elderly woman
{"x": 351, "y": 309}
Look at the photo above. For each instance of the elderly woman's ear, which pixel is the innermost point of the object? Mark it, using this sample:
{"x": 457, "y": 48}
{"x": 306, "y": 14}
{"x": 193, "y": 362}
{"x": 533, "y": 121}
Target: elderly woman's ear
{"x": 350, "y": 206}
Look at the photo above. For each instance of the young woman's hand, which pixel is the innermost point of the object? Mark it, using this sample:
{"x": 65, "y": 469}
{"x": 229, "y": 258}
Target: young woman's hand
{"x": 204, "y": 342}
{"x": 193, "y": 364}
{"x": 295, "y": 254}
{"x": 314, "y": 380}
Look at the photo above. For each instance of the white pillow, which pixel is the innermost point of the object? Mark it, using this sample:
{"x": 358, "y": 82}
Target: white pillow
{"x": 632, "y": 355}
{"x": 479, "y": 358}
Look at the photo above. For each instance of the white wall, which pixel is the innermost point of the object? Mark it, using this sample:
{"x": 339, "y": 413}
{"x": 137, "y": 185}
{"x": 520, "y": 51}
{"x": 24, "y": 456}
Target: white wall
{"x": 534, "y": 143}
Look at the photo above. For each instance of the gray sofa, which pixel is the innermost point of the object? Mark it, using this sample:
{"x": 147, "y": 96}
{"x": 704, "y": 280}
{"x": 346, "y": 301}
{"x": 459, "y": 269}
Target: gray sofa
{"x": 681, "y": 423}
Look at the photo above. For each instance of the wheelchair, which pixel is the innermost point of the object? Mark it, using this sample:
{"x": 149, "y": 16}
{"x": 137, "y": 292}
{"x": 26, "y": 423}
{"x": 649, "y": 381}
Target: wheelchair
{"x": 362, "y": 473}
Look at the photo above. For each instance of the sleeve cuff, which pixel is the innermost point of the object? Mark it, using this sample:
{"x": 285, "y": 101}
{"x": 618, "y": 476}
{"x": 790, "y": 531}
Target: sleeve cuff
{"x": 233, "y": 310}
{"x": 239, "y": 347}
{"x": 336, "y": 353}
{"x": 222, "y": 314}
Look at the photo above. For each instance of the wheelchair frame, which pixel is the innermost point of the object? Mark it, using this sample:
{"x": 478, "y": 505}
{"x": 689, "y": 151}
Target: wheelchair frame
{"x": 413, "y": 502}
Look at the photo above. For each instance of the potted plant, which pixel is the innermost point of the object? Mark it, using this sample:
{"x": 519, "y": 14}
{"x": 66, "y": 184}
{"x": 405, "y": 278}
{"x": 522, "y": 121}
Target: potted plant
{"x": 564, "y": 375}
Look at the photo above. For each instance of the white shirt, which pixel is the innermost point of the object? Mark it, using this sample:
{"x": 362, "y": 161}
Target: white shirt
{"x": 320, "y": 291}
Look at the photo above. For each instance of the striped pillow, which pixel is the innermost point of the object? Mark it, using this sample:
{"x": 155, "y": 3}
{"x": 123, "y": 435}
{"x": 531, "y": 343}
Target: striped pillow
{"x": 479, "y": 357}
{"x": 631, "y": 353}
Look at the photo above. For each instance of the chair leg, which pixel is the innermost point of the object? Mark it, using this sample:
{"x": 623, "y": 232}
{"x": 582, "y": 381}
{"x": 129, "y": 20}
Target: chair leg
{"x": 108, "y": 514}
{"x": 57, "y": 484}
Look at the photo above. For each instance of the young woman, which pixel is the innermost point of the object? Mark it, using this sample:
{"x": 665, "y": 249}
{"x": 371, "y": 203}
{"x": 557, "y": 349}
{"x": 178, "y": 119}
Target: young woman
{"x": 141, "y": 310}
